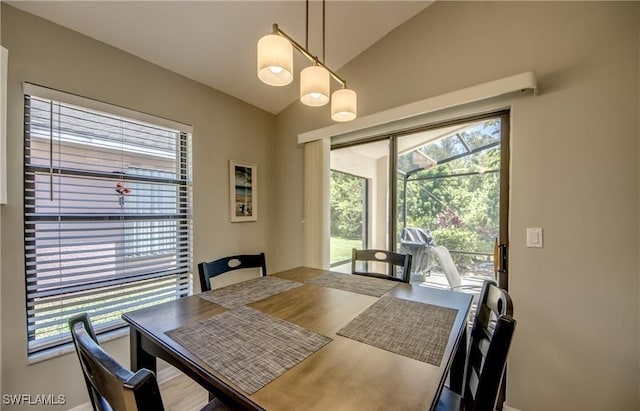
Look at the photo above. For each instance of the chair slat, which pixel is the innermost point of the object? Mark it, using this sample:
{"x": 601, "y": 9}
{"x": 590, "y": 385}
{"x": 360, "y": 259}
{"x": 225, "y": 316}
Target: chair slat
{"x": 402, "y": 261}
{"x": 110, "y": 385}
{"x": 491, "y": 335}
{"x": 208, "y": 270}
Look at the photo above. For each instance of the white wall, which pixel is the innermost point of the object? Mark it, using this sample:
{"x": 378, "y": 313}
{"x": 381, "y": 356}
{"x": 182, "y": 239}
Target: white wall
{"x": 574, "y": 172}
{"x": 348, "y": 161}
{"x": 49, "y": 55}
{"x": 375, "y": 171}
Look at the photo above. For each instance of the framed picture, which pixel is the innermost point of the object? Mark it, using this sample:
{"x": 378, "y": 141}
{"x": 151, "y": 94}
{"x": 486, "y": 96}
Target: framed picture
{"x": 243, "y": 191}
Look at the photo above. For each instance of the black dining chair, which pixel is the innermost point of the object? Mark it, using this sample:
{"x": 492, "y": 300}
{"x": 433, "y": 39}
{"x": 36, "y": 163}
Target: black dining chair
{"x": 112, "y": 387}
{"x": 222, "y": 265}
{"x": 399, "y": 264}
{"x": 489, "y": 343}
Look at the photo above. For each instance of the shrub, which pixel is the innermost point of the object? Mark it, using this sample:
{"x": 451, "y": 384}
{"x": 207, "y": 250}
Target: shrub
{"x": 457, "y": 239}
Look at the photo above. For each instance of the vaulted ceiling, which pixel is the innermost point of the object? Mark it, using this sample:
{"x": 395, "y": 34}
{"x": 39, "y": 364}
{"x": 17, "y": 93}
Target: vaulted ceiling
{"x": 214, "y": 42}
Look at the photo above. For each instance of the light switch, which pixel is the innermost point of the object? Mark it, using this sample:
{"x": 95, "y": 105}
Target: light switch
{"x": 534, "y": 237}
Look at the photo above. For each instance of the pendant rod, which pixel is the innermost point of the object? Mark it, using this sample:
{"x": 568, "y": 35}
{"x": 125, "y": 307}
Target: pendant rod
{"x": 305, "y": 52}
{"x": 323, "y": 31}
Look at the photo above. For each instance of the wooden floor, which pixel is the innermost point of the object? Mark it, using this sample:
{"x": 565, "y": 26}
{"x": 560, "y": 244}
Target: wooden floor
{"x": 180, "y": 393}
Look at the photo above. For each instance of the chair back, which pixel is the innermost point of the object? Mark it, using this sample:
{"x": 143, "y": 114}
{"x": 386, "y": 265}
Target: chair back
{"x": 403, "y": 261}
{"x": 222, "y": 265}
{"x": 489, "y": 344}
{"x": 111, "y": 387}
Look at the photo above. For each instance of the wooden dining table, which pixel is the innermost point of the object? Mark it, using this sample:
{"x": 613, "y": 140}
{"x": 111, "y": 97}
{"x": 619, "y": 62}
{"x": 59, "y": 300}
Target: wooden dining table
{"x": 311, "y": 339}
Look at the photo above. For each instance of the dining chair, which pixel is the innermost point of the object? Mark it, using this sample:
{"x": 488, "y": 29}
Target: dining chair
{"x": 222, "y": 265}
{"x": 489, "y": 343}
{"x": 112, "y": 387}
{"x": 399, "y": 264}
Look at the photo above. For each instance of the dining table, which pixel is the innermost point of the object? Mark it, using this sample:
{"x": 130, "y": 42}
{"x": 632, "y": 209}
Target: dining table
{"x": 311, "y": 339}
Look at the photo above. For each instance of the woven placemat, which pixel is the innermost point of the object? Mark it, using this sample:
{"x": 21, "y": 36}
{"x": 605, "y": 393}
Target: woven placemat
{"x": 239, "y": 294}
{"x": 360, "y": 284}
{"x": 416, "y": 330}
{"x": 248, "y": 347}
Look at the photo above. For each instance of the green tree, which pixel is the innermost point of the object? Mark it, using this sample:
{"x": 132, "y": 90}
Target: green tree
{"x": 346, "y": 205}
{"x": 458, "y": 200}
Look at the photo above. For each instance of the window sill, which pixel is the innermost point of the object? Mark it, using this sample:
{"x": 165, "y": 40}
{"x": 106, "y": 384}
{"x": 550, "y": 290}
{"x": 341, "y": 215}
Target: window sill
{"x": 68, "y": 347}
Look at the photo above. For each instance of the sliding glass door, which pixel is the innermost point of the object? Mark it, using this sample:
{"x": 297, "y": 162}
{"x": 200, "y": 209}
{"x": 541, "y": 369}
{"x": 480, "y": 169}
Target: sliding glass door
{"x": 448, "y": 194}
{"x": 450, "y": 191}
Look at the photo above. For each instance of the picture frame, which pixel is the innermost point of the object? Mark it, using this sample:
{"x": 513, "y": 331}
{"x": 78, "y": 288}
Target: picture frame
{"x": 243, "y": 191}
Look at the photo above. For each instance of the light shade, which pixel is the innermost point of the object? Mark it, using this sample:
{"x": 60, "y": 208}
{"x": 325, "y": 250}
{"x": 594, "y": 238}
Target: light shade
{"x": 344, "y": 105}
{"x": 314, "y": 86}
{"x": 275, "y": 60}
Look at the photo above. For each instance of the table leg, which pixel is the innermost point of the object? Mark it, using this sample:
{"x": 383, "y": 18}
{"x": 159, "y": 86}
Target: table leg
{"x": 139, "y": 357}
{"x": 456, "y": 376}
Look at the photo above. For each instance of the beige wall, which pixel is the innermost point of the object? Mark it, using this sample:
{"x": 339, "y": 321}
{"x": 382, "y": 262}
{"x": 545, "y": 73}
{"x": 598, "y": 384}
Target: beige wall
{"x": 49, "y": 55}
{"x": 1, "y": 276}
{"x": 574, "y": 172}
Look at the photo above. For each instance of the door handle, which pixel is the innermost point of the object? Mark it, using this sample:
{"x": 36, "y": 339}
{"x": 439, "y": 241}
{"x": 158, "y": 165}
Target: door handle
{"x": 499, "y": 258}
{"x": 502, "y": 265}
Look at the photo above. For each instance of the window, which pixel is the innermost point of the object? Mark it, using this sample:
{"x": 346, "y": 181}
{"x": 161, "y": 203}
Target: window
{"x": 107, "y": 214}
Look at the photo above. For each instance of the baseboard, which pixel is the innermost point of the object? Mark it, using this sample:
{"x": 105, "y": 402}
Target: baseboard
{"x": 507, "y": 408}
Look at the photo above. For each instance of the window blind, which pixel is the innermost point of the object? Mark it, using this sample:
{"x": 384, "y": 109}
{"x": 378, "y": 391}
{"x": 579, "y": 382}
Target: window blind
{"x": 107, "y": 215}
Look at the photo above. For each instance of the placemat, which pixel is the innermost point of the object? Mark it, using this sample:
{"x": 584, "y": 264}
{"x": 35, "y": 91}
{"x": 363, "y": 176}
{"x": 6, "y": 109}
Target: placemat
{"x": 416, "y": 330}
{"x": 248, "y": 347}
{"x": 360, "y": 284}
{"x": 239, "y": 294}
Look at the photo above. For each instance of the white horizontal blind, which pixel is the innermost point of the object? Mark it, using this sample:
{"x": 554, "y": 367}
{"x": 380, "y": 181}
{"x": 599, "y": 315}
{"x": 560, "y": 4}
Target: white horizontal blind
{"x": 107, "y": 210}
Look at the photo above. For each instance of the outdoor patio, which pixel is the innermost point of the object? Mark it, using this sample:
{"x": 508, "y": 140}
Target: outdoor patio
{"x": 472, "y": 276}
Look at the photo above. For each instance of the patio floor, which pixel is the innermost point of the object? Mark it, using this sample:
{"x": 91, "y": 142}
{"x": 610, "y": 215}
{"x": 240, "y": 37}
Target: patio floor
{"x": 470, "y": 283}
{"x": 472, "y": 277}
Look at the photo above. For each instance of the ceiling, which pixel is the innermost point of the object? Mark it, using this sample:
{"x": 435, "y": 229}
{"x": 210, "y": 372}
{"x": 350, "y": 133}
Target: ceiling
{"x": 214, "y": 42}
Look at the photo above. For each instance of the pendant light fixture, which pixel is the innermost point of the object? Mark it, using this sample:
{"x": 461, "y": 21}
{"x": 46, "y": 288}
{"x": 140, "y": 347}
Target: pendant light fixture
{"x": 314, "y": 86}
{"x": 275, "y": 67}
{"x": 275, "y": 60}
{"x": 343, "y": 105}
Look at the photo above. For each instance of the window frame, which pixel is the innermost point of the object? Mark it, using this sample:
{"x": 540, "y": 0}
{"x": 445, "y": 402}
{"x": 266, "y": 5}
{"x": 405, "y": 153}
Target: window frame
{"x": 182, "y": 181}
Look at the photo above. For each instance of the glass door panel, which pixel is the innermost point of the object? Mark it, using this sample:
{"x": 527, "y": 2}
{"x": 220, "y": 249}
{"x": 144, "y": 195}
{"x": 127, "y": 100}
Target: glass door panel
{"x": 359, "y": 200}
{"x": 448, "y": 195}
